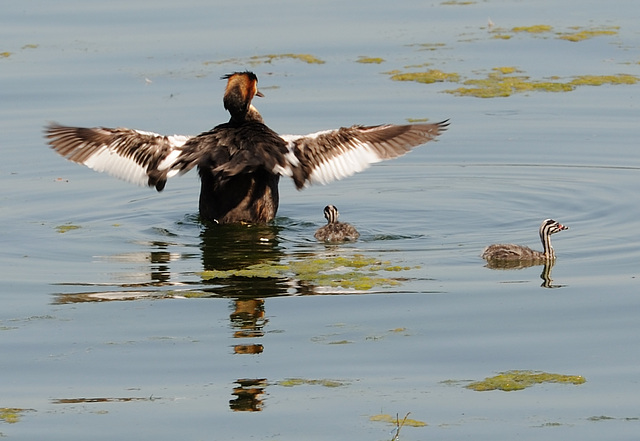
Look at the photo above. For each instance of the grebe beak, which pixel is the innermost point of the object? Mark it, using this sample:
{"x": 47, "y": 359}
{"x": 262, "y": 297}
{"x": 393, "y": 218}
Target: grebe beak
{"x": 258, "y": 93}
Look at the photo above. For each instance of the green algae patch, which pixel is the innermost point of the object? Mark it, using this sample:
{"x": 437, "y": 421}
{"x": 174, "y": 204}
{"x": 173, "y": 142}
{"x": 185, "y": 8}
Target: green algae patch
{"x": 11, "y": 415}
{"x": 427, "y": 77}
{"x": 385, "y": 418}
{"x": 5, "y": 54}
{"x": 340, "y": 342}
{"x": 600, "y": 418}
{"x": 429, "y": 46}
{"x": 585, "y": 34}
{"x": 498, "y": 32}
{"x": 67, "y": 227}
{"x": 501, "y": 83}
{"x": 307, "y": 58}
{"x": 292, "y": 382}
{"x": 370, "y": 60}
{"x": 457, "y": 3}
{"x": 417, "y": 120}
{"x": 269, "y": 58}
{"x": 505, "y": 70}
{"x": 496, "y": 84}
{"x": 599, "y": 80}
{"x": 575, "y": 34}
{"x": 535, "y": 29}
{"x": 355, "y": 272}
{"x": 518, "y": 380}
{"x": 260, "y": 270}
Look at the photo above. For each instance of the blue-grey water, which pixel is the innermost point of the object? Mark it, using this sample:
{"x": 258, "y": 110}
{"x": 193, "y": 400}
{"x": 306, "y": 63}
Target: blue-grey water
{"x": 108, "y": 329}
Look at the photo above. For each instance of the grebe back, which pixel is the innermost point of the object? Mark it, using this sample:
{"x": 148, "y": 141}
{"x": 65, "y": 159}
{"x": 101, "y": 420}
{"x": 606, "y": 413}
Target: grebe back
{"x": 335, "y": 231}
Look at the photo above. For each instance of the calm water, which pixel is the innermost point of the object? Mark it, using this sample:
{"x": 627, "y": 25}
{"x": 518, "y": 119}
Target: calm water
{"x": 108, "y": 330}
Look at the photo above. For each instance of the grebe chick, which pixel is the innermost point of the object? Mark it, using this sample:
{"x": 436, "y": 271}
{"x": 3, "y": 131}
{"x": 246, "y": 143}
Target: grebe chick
{"x": 511, "y": 252}
{"x": 240, "y": 162}
{"x": 335, "y": 231}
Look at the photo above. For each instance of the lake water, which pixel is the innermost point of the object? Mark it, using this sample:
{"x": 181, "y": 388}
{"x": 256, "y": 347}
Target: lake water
{"x": 109, "y": 329}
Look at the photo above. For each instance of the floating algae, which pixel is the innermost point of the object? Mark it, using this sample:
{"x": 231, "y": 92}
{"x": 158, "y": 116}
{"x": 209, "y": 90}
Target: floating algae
{"x": 429, "y": 46}
{"x": 269, "y": 58}
{"x": 535, "y": 29}
{"x": 507, "y": 80}
{"x": 599, "y": 80}
{"x": 348, "y": 272}
{"x": 11, "y": 415}
{"x": 585, "y": 34}
{"x": 518, "y": 380}
{"x": 307, "y": 58}
{"x": 457, "y": 3}
{"x": 505, "y": 70}
{"x": 499, "y": 83}
{"x": 291, "y": 382}
{"x": 496, "y": 84}
{"x": 394, "y": 420}
{"x": 427, "y": 77}
{"x": 66, "y": 227}
{"x": 370, "y": 60}
{"x": 577, "y": 33}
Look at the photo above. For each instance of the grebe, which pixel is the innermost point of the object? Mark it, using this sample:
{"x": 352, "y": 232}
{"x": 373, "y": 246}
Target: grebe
{"x": 335, "y": 231}
{"x": 240, "y": 162}
{"x": 510, "y": 252}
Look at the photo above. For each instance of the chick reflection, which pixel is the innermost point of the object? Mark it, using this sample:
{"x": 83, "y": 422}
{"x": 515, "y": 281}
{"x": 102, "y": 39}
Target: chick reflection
{"x": 547, "y": 282}
{"x": 160, "y": 260}
{"x": 545, "y": 275}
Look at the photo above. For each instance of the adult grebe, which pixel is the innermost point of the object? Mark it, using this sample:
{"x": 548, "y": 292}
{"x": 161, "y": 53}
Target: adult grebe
{"x": 510, "y": 252}
{"x": 240, "y": 162}
{"x": 335, "y": 231}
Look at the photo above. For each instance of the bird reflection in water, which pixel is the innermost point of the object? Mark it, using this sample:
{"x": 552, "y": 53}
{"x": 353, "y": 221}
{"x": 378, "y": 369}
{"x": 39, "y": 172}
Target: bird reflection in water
{"x": 545, "y": 275}
{"x": 248, "y": 393}
{"x": 229, "y": 247}
{"x": 232, "y": 247}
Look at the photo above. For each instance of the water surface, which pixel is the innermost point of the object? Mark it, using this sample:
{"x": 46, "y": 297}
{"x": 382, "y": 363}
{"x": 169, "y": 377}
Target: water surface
{"x": 108, "y": 330}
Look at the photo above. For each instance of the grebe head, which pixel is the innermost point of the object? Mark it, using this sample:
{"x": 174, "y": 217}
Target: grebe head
{"x": 549, "y": 227}
{"x": 331, "y": 214}
{"x": 241, "y": 88}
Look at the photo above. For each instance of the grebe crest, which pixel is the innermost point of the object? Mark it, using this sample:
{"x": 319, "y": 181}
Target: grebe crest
{"x": 240, "y": 162}
{"x": 514, "y": 253}
{"x": 335, "y": 231}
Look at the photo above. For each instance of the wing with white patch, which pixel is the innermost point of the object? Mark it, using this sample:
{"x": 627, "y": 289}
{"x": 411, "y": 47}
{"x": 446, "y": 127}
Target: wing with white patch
{"x": 322, "y": 157}
{"x": 142, "y": 158}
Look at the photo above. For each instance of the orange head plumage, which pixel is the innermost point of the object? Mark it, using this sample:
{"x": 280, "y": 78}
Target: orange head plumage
{"x": 241, "y": 88}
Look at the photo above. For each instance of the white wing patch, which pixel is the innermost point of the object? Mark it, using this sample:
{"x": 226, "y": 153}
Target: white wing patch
{"x": 128, "y": 154}
{"x": 106, "y": 160}
{"x": 329, "y": 155}
{"x": 178, "y": 141}
{"x": 346, "y": 164}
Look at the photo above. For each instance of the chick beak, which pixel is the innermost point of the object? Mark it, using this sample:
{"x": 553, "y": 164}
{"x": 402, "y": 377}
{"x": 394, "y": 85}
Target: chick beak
{"x": 258, "y": 93}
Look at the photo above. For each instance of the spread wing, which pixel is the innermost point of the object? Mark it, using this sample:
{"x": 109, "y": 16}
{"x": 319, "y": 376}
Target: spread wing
{"x": 142, "y": 158}
{"x": 322, "y": 157}
{"x": 147, "y": 158}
